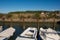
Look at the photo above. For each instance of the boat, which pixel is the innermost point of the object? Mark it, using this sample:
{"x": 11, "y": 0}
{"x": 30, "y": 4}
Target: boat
{"x": 49, "y": 34}
{"x": 29, "y": 34}
{"x": 0, "y": 28}
{"x": 6, "y": 34}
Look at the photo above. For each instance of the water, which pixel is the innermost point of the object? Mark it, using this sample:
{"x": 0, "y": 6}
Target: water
{"x": 19, "y": 28}
{"x": 18, "y": 31}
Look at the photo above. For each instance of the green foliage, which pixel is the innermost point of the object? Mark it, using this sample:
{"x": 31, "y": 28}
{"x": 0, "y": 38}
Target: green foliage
{"x": 36, "y": 16}
{"x": 1, "y": 15}
{"x": 8, "y": 16}
{"x": 29, "y": 17}
{"x": 18, "y": 12}
{"x": 52, "y": 15}
{"x": 21, "y": 17}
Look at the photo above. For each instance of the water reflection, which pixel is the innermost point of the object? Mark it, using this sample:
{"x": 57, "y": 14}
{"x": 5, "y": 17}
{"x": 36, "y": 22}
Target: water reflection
{"x": 18, "y": 31}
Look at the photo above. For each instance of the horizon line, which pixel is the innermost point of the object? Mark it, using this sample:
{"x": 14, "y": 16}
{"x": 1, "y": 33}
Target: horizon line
{"x": 27, "y": 10}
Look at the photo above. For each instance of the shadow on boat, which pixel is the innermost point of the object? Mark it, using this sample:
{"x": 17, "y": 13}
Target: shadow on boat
{"x": 38, "y": 36}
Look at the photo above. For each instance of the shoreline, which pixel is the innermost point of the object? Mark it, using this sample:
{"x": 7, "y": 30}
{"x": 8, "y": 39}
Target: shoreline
{"x": 30, "y": 20}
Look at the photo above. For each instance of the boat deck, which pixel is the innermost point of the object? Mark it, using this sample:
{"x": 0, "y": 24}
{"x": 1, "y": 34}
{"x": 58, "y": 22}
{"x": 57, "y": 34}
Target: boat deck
{"x": 7, "y": 33}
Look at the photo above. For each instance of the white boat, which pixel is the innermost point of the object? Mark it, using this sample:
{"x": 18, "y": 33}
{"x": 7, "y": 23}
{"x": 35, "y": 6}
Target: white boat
{"x": 6, "y": 34}
{"x": 49, "y": 34}
{"x": 29, "y": 34}
{"x": 0, "y": 28}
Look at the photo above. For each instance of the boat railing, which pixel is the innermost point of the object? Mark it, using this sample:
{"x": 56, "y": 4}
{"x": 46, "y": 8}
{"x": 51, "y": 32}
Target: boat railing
{"x": 44, "y": 35}
{"x": 26, "y": 37}
{"x": 57, "y": 32}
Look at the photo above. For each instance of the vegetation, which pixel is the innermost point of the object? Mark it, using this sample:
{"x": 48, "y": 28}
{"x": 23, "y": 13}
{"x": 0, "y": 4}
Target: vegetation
{"x": 36, "y": 15}
{"x": 8, "y": 16}
{"x": 48, "y": 14}
{"x": 1, "y": 15}
{"x": 22, "y": 17}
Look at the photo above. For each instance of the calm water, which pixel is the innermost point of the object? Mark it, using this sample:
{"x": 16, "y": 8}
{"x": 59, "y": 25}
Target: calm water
{"x": 19, "y": 28}
{"x": 18, "y": 31}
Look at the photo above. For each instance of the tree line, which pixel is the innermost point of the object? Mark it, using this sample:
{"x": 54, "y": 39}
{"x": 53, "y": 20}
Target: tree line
{"x": 37, "y": 15}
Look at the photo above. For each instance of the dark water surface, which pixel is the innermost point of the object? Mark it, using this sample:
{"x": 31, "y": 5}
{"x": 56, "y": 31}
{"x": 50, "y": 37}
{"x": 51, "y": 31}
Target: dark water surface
{"x": 19, "y": 28}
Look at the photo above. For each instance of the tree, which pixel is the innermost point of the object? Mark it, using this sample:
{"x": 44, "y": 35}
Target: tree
{"x": 8, "y": 16}
{"x": 22, "y": 17}
{"x": 54, "y": 17}
{"x": 28, "y": 16}
{"x": 37, "y": 16}
{"x": 1, "y": 15}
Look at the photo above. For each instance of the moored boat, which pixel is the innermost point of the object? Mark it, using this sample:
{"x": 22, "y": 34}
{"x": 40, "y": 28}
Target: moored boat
{"x": 6, "y": 34}
{"x": 29, "y": 34}
{"x": 49, "y": 34}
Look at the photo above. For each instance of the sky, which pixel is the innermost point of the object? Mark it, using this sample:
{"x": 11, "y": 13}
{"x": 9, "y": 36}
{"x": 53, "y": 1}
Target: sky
{"x": 26, "y": 5}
